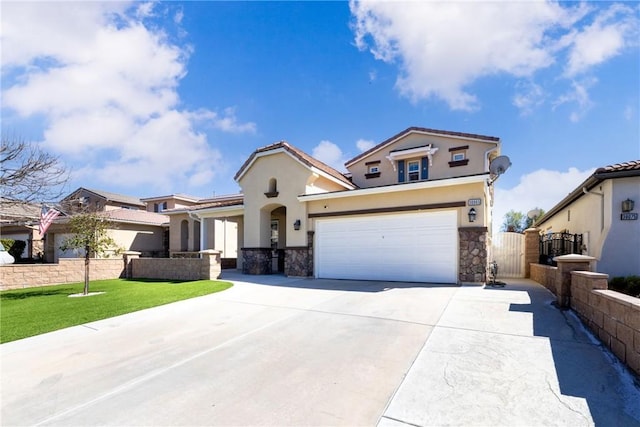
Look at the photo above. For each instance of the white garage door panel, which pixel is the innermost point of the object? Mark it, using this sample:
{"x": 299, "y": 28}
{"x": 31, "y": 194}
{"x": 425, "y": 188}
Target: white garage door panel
{"x": 403, "y": 247}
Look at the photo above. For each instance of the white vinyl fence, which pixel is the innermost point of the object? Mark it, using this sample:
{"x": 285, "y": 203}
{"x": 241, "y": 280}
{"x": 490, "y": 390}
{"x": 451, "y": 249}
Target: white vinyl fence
{"x": 508, "y": 252}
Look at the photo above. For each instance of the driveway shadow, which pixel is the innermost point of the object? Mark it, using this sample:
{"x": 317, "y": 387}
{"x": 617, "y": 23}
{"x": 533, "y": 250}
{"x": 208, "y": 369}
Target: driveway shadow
{"x": 583, "y": 366}
{"x": 329, "y": 284}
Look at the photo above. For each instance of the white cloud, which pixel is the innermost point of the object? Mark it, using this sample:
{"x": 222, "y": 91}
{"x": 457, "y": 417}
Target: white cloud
{"x": 539, "y": 189}
{"x": 578, "y": 95}
{"x": 529, "y": 96}
{"x": 106, "y": 84}
{"x": 229, "y": 122}
{"x": 630, "y": 113}
{"x": 611, "y": 31}
{"x": 442, "y": 48}
{"x": 365, "y": 144}
{"x": 329, "y": 153}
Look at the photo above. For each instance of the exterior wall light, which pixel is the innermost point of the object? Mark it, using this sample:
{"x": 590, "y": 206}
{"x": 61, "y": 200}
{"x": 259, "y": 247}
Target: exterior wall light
{"x": 296, "y": 225}
{"x": 627, "y": 205}
{"x": 472, "y": 215}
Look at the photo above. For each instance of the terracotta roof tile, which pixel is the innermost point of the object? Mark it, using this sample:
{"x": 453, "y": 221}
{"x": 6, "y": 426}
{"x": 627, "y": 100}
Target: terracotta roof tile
{"x": 238, "y": 201}
{"x": 620, "y": 167}
{"x": 426, "y": 130}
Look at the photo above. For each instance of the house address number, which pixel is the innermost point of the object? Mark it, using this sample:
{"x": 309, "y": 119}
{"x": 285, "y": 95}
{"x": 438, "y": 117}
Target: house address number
{"x": 474, "y": 202}
{"x": 629, "y": 216}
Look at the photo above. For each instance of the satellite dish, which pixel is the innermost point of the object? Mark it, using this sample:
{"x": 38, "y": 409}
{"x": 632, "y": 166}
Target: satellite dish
{"x": 499, "y": 165}
{"x": 534, "y": 213}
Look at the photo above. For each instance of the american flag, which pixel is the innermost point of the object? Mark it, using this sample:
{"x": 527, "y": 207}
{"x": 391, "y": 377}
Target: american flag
{"x": 47, "y": 215}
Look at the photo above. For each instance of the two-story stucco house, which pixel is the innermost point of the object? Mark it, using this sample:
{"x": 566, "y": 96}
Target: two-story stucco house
{"x": 416, "y": 207}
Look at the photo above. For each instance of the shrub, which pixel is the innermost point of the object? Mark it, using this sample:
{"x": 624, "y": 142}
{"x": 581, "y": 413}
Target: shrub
{"x": 14, "y": 247}
{"x": 17, "y": 249}
{"x": 629, "y": 285}
{"x": 7, "y": 243}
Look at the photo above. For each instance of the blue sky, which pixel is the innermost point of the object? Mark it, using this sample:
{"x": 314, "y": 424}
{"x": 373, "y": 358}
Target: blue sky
{"x": 156, "y": 98}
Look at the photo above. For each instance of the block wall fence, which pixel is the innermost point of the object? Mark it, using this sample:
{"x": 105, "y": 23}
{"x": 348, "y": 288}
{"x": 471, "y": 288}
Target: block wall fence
{"x": 130, "y": 266}
{"x": 612, "y": 316}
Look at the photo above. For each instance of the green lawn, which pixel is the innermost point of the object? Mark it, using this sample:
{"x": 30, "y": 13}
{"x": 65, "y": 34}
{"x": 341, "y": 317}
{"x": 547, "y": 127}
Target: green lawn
{"x": 33, "y": 311}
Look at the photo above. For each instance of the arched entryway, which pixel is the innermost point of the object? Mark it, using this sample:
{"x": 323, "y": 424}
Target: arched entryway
{"x": 278, "y": 237}
{"x": 269, "y": 256}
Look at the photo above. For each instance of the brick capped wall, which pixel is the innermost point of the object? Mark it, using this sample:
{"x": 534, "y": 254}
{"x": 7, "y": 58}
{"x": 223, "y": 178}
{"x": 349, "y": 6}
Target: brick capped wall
{"x": 68, "y": 270}
{"x": 612, "y": 316}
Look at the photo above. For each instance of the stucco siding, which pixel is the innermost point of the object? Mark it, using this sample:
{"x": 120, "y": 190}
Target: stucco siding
{"x": 458, "y": 193}
{"x": 175, "y": 231}
{"x": 621, "y": 246}
{"x": 589, "y": 215}
{"x": 141, "y": 238}
{"x": 476, "y": 154}
{"x": 291, "y": 178}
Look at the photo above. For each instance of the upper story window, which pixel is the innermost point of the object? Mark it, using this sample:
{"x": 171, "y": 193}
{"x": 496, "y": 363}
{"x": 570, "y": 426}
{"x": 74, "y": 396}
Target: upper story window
{"x": 459, "y": 156}
{"x": 159, "y": 207}
{"x": 373, "y": 169}
{"x": 412, "y": 164}
{"x": 456, "y": 157}
{"x": 413, "y": 170}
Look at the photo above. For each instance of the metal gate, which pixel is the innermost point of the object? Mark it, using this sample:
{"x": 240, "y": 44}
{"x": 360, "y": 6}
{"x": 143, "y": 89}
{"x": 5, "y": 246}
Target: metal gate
{"x": 508, "y": 252}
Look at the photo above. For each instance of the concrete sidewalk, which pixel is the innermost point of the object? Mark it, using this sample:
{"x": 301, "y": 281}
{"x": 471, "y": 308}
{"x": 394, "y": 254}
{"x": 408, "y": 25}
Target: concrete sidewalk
{"x": 507, "y": 356}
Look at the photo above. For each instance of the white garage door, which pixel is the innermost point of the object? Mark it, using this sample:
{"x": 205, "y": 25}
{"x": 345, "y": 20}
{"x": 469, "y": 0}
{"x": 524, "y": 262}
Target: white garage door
{"x": 412, "y": 247}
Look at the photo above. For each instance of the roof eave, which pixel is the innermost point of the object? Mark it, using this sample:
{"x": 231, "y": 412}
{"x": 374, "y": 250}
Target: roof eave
{"x": 419, "y": 185}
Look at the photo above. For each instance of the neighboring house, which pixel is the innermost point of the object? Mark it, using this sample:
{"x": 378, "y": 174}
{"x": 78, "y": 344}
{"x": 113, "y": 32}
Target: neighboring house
{"x": 98, "y": 200}
{"x": 19, "y": 221}
{"x": 416, "y": 207}
{"x": 218, "y": 219}
{"x": 174, "y": 201}
{"x": 135, "y": 229}
{"x": 604, "y": 209}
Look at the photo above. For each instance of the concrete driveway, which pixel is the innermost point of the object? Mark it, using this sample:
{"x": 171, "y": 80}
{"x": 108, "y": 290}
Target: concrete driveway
{"x": 285, "y": 351}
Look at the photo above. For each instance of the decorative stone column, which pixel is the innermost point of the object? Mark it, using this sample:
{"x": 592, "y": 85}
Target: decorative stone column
{"x": 298, "y": 261}
{"x": 256, "y": 261}
{"x": 210, "y": 268}
{"x": 567, "y": 264}
{"x": 531, "y": 249}
{"x": 473, "y": 254}
{"x": 128, "y": 257}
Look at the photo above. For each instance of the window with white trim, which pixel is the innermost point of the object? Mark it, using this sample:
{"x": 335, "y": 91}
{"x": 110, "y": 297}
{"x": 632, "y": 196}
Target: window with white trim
{"x": 374, "y": 169}
{"x": 413, "y": 170}
{"x": 457, "y": 157}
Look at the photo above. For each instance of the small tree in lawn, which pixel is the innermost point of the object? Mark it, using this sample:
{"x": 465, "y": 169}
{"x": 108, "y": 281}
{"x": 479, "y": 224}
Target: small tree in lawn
{"x": 89, "y": 234}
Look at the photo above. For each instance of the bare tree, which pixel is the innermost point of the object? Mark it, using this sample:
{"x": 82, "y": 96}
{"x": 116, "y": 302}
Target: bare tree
{"x": 29, "y": 174}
